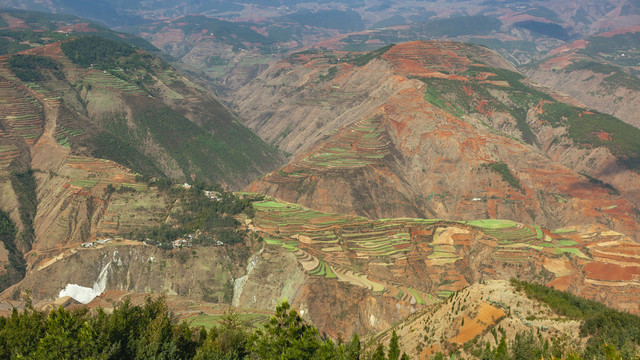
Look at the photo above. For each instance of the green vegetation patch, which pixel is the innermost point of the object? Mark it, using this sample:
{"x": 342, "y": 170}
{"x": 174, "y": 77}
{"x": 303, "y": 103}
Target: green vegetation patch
{"x": 563, "y": 231}
{"x": 16, "y": 269}
{"x": 572, "y": 251}
{"x": 213, "y": 219}
{"x": 84, "y": 183}
{"x": 417, "y": 296}
{"x": 249, "y": 320}
{"x": 503, "y": 170}
{"x": 363, "y": 60}
{"x": 594, "y": 129}
{"x": 492, "y": 223}
{"x": 29, "y": 68}
{"x": 96, "y": 51}
{"x": 433, "y": 96}
{"x": 600, "y": 324}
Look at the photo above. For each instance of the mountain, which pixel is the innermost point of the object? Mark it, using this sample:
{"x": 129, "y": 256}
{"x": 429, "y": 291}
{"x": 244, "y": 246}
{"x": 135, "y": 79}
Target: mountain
{"x": 82, "y": 118}
{"x": 22, "y": 30}
{"x": 231, "y": 41}
{"x": 601, "y": 71}
{"x": 111, "y": 101}
{"x": 439, "y": 130}
{"x": 430, "y": 187}
{"x": 231, "y": 53}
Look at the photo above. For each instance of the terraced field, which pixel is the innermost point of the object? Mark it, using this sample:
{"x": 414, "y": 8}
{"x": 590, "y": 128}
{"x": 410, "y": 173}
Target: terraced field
{"x": 422, "y": 261}
{"x": 106, "y": 80}
{"x": 20, "y": 114}
{"x": 94, "y": 175}
{"x": 7, "y": 154}
{"x": 361, "y": 144}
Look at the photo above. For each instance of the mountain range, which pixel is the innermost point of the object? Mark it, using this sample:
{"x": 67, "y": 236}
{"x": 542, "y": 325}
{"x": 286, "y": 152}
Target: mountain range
{"x": 386, "y": 167}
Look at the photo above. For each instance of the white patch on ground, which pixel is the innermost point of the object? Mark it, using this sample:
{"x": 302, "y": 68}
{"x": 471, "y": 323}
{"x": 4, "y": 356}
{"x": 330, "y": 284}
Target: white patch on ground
{"x": 238, "y": 284}
{"x": 83, "y": 294}
{"x": 372, "y": 320}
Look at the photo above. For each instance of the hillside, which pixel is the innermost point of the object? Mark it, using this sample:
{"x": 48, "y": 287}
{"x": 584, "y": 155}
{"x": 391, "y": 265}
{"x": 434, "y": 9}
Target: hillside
{"x": 601, "y": 71}
{"x": 21, "y": 30}
{"x": 345, "y": 274}
{"x": 83, "y": 117}
{"x": 439, "y": 130}
{"x": 518, "y": 320}
{"x": 125, "y": 105}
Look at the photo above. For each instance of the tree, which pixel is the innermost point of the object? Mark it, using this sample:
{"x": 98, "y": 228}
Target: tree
{"x": 229, "y": 340}
{"x": 352, "y": 351}
{"x": 286, "y": 336}
{"x": 394, "y": 347}
{"x": 501, "y": 352}
{"x": 379, "y": 353}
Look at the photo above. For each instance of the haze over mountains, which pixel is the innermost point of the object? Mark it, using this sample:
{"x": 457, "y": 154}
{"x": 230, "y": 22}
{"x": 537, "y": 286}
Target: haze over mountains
{"x": 395, "y": 163}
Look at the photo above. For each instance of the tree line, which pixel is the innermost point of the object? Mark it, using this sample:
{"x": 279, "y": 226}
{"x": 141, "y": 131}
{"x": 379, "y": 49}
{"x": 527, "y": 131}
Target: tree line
{"x": 148, "y": 332}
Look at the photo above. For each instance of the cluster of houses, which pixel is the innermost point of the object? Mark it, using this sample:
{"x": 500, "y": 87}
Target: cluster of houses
{"x": 96, "y": 243}
{"x": 213, "y": 195}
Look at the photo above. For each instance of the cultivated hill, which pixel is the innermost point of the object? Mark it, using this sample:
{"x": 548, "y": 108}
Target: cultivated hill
{"x": 600, "y": 71}
{"x": 343, "y": 273}
{"x": 115, "y": 102}
{"x": 81, "y": 117}
{"x": 441, "y": 130}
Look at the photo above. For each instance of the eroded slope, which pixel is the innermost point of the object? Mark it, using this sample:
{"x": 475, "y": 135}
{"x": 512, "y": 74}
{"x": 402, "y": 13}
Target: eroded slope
{"x": 444, "y": 130}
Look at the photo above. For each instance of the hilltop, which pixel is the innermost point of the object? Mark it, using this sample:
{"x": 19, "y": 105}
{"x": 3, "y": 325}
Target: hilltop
{"x": 522, "y": 320}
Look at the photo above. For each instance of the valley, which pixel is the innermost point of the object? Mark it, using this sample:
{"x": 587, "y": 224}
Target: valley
{"x": 464, "y": 177}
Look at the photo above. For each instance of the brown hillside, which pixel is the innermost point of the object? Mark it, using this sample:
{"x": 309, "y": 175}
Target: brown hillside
{"x": 391, "y": 148}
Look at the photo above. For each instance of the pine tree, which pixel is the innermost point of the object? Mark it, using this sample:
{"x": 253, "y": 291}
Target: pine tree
{"x": 352, "y": 351}
{"x": 501, "y": 351}
{"x": 379, "y": 353}
{"x": 394, "y": 347}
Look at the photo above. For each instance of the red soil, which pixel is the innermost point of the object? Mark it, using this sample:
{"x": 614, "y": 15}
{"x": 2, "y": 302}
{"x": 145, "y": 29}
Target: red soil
{"x": 487, "y": 316}
{"x": 603, "y": 136}
{"x": 561, "y": 283}
{"x": 15, "y": 23}
{"x": 428, "y": 59}
{"x": 578, "y": 44}
{"x": 624, "y": 30}
{"x": 558, "y": 62}
{"x": 610, "y": 272}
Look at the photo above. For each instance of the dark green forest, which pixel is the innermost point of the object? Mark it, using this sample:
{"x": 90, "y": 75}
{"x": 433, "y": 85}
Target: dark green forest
{"x": 97, "y": 51}
{"x": 148, "y": 332}
{"x": 212, "y": 219}
{"x": 29, "y": 68}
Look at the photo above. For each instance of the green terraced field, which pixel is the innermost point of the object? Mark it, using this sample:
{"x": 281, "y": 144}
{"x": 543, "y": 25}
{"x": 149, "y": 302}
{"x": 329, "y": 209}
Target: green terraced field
{"x": 491, "y": 224}
{"x": 323, "y": 270}
{"x": 417, "y": 296}
{"x": 109, "y": 81}
{"x": 572, "y": 251}
{"x": 84, "y": 183}
{"x": 521, "y": 233}
{"x": 563, "y": 231}
{"x": 362, "y": 144}
{"x": 209, "y": 321}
